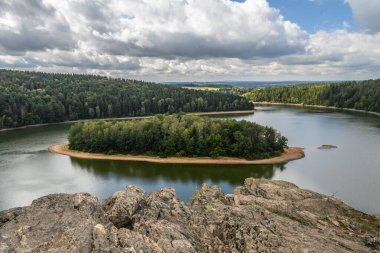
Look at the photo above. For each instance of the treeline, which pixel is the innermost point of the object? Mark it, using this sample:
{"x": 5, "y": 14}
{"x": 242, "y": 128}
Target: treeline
{"x": 28, "y": 98}
{"x": 361, "y": 95}
{"x": 177, "y": 135}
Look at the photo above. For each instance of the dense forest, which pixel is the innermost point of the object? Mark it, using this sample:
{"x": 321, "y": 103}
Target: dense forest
{"x": 28, "y": 98}
{"x": 361, "y": 95}
{"x": 178, "y": 135}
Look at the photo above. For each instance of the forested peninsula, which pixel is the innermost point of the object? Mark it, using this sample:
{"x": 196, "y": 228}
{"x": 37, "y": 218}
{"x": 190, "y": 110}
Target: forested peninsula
{"x": 359, "y": 95}
{"x": 28, "y": 98}
{"x": 178, "y": 136}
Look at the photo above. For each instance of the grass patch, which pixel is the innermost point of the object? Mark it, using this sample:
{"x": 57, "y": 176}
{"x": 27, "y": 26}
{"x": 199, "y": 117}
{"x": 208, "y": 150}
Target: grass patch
{"x": 367, "y": 224}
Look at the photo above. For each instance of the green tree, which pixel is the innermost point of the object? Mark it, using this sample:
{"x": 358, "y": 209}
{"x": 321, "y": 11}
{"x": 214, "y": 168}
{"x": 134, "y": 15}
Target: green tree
{"x": 178, "y": 135}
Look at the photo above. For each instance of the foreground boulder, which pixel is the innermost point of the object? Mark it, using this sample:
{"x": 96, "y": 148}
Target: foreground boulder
{"x": 261, "y": 216}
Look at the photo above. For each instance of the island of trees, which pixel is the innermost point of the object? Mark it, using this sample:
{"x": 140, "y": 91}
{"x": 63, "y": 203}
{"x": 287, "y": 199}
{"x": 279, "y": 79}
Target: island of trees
{"x": 178, "y": 136}
{"x": 28, "y": 98}
{"x": 361, "y": 95}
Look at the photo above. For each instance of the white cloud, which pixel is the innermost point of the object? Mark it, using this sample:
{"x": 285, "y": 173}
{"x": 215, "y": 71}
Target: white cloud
{"x": 177, "y": 40}
{"x": 192, "y": 28}
{"x": 366, "y": 12}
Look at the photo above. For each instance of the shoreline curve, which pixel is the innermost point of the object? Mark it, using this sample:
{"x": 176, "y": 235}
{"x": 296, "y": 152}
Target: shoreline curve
{"x": 240, "y": 112}
{"x": 317, "y": 106}
{"x": 290, "y": 154}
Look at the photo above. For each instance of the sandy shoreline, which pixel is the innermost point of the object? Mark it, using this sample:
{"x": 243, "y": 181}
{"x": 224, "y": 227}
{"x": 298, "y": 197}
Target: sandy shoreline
{"x": 290, "y": 154}
{"x": 317, "y": 106}
{"x": 127, "y": 118}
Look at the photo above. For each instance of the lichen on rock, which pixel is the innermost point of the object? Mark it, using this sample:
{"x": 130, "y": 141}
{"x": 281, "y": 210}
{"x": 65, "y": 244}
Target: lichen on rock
{"x": 261, "y": 216}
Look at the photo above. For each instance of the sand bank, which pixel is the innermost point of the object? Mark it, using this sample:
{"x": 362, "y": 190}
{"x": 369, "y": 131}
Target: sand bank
{"x": 327, "y": 147}
{"x": 290, "y": 154}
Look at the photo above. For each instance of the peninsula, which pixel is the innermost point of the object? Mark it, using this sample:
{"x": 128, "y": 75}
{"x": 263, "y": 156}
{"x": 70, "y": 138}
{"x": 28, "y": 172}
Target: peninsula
{"x": 179, "y": 139}
{"x": 289, "y": 154}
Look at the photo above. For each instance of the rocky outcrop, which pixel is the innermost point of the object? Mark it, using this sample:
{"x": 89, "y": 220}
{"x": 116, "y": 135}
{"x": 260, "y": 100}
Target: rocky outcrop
{"x": 261, "y": 216}
{"x": 58, "y": 222}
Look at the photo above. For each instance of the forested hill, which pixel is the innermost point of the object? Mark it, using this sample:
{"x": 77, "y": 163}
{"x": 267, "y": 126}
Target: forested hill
{"x": 361, "y": 95}
{"x": 28, "y": 98}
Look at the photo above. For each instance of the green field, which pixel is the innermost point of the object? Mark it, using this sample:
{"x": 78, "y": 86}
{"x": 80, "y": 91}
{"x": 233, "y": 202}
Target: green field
{"x": 203, "y": 88}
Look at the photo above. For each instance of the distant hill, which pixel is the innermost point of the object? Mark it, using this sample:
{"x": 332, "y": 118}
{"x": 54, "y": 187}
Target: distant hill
{"x": 241, "y": 84}
{"x": 28, "y": 98}
{"x": 360, "y": 95}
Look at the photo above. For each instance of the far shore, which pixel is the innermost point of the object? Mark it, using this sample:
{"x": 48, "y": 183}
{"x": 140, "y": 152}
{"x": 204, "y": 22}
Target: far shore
{"x": 317, "y": 106}
{"x": 127, "y": 118}
{"x": 223, "y": 112}
{"x": 290, "y": 154}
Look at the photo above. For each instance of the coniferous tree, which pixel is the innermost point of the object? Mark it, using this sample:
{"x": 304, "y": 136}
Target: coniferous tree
{"x": 28, "y": 98}
{"x": 178, "y": 135}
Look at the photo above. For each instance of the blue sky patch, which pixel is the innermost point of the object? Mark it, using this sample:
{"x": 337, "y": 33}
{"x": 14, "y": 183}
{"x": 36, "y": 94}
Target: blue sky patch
{"x": 315, "y": 15}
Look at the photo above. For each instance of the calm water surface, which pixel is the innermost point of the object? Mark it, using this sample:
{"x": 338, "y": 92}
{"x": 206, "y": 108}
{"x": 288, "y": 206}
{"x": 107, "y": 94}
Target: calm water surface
{"x": 351, "y": 172}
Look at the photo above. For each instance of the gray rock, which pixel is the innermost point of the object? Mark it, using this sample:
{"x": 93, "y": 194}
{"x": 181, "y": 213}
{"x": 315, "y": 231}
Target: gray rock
{"x": 261, "y": 216}
{"x": 55, "y": 223}
{"x": 122, "y": 205}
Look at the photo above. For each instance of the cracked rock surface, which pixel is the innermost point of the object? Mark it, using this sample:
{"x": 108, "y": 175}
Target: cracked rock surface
{"x": 261, "y": 216}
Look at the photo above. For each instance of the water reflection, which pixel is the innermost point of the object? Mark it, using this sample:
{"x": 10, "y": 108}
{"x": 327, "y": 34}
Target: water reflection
{"x": 196, "y": 174}
{"x": 351, "y": 172}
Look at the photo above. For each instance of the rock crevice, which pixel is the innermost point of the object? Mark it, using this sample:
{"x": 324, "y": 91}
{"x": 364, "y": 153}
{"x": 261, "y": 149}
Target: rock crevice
{"x": 261, "y": 216}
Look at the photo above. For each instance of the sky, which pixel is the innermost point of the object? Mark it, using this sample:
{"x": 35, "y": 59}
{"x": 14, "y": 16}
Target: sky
{"x": 194, "y": 40}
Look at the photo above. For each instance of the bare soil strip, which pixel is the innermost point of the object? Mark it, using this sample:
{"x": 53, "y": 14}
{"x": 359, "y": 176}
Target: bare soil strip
{"x": 290, "y": 154}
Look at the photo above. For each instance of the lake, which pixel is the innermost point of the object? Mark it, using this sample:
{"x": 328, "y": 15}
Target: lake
{"x": 351, "y": 172}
